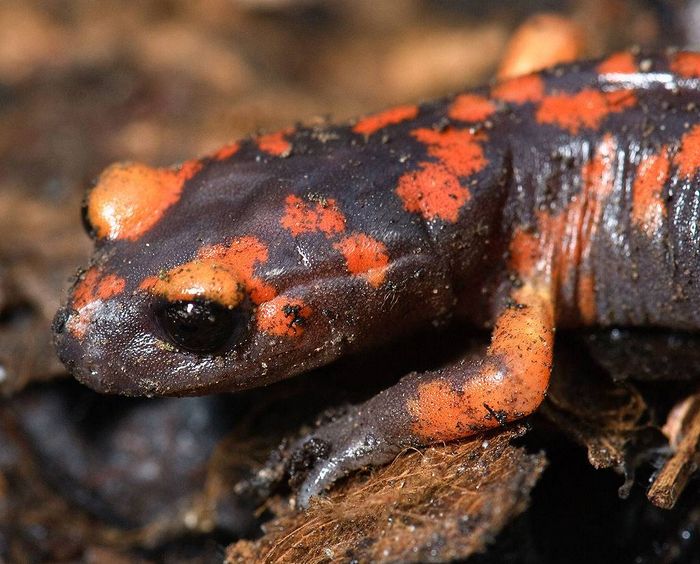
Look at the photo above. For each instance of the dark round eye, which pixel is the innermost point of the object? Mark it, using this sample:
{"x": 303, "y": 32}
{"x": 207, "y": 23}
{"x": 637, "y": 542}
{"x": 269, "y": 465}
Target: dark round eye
{"x": 201, "y": 326}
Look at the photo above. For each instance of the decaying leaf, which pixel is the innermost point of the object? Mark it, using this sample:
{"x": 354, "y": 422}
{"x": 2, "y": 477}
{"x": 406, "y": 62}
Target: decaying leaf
{"x": 607, "y": 418}
{"x": 34, "y": 271}
{"x": 438, "y": 504}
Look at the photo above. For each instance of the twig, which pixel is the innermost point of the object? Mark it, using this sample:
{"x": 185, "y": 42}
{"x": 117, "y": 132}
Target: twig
{"x": 671, "y": 481}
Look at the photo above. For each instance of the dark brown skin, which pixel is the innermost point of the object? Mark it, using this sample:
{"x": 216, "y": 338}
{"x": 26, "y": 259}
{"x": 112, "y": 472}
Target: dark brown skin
{"x": 567, "y": 198}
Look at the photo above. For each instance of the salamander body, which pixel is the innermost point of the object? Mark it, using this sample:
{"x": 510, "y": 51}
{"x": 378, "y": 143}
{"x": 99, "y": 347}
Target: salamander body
{"x": 566, "y": 198}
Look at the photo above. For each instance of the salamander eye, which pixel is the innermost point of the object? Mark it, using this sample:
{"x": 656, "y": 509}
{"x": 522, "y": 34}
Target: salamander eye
{"x": 201, "y": 326}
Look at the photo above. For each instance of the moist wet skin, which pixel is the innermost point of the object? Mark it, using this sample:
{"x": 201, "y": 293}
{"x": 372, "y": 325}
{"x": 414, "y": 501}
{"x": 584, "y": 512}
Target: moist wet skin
{"x": 543, "y": 201}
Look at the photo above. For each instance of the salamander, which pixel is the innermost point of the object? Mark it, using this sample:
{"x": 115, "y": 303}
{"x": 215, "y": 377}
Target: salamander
{"x": 565, "y": 198}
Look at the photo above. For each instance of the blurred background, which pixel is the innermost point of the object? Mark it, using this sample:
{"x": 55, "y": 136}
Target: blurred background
{"x": 85, "y": 83}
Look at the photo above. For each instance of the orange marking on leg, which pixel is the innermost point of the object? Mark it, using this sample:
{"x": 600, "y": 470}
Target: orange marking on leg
{"x": 276, "y": 143}
{"x": 531, "y": 320}
{"x": 686, "y": 65}
{"x": 520, "y": 90}
{"x": 90, "y": 291}
{"x": 471, "y": 107}
{"x": 688, "y": 157}
{"x": 283, "y": 316}
{"x": 648, "y": 209}
{"x": 587, "y": 108}
{"x": 511, "y": 380}
{"x": 433, "y": 191}
{"x": 441, "y": 412}
{"x": 371, "y": 124}
{"x": 129, "y": 199}
{"x": 220, "y": 273}
{"x": 302, "y": 217}
{"x": 619, "y": 63}
{"x": 459, "y": 151}
{"x": 365, "y": 256}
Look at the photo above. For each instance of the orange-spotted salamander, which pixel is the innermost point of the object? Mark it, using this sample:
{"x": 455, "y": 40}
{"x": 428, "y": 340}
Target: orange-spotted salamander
{"x": 565, "y": 198}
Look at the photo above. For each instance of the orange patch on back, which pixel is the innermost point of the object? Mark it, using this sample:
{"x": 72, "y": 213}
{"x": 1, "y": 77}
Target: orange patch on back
{"x": 561, "y": 250}
{"x": 226, "y": 151}
{"x": 129, "y": 199}
{"x": 686, "y": 65}
{"x": 88, "y": 293}
{"x": 586, "y": 301}
{"x": 433, "y": 191}
{"x": 365, "y": 256}
{"x": 276, "y": 144}
{"x": 512, "y": 378}
{"x": 219, "y": 272}
{"x": 283, "y": 316}
{"x": 303, "y": 217}
{"x": 688, "y": 157}
{"x": 470, "y": 107}
{"x": 458, "y": 150}
{"x": 520, "y": 90}
{"x": 587, "y": 108}
{"x": 648, "y": 209}
{"x": 371, "y": 124}
{"x": 619, "y": 63}
{"x": 524, "y": 252}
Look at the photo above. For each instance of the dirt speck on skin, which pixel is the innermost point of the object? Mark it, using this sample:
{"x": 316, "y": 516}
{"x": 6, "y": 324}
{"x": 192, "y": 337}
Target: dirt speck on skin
{"x": 440, "y": 504}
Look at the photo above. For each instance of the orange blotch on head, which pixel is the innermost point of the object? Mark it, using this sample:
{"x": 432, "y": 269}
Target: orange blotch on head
{"x": 219, "y": 272}
{"x": 88, "y": 293}
{"x": 587, "y": 108}
{"x": 371, "y": 124}
{"x": 520, "y": 90}
{"x": 433, "y": 191}
{"x": 687, "y": 159}
{"x": 110, "y": 286}
{"x": 365, "y": 256}
{"x": 283, "y": 316}
{"x": 459, "y": 151}
{"x": 202, "y": 278}
{"x": 226, "y": 151}
{"x": 276, "y": 144}
{"x": 686, "y": 64}
{"x": 304, "y": 217}
{"x": 129, "y": 199}
{"x": 471, "y": 107}
{"x": 619, "y": 63}
{"x": 648, "y": 209}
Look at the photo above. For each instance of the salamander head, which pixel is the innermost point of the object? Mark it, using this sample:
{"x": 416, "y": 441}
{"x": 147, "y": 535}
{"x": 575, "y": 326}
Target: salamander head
{"x": 221, "y": 276}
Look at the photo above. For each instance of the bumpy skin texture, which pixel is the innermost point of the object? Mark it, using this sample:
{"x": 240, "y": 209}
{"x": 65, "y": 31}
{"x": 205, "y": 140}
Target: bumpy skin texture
{"x": 564, "y": 198}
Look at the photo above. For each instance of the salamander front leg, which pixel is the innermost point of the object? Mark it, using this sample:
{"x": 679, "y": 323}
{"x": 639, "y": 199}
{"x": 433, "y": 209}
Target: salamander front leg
{"x": 507, "y": 382}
